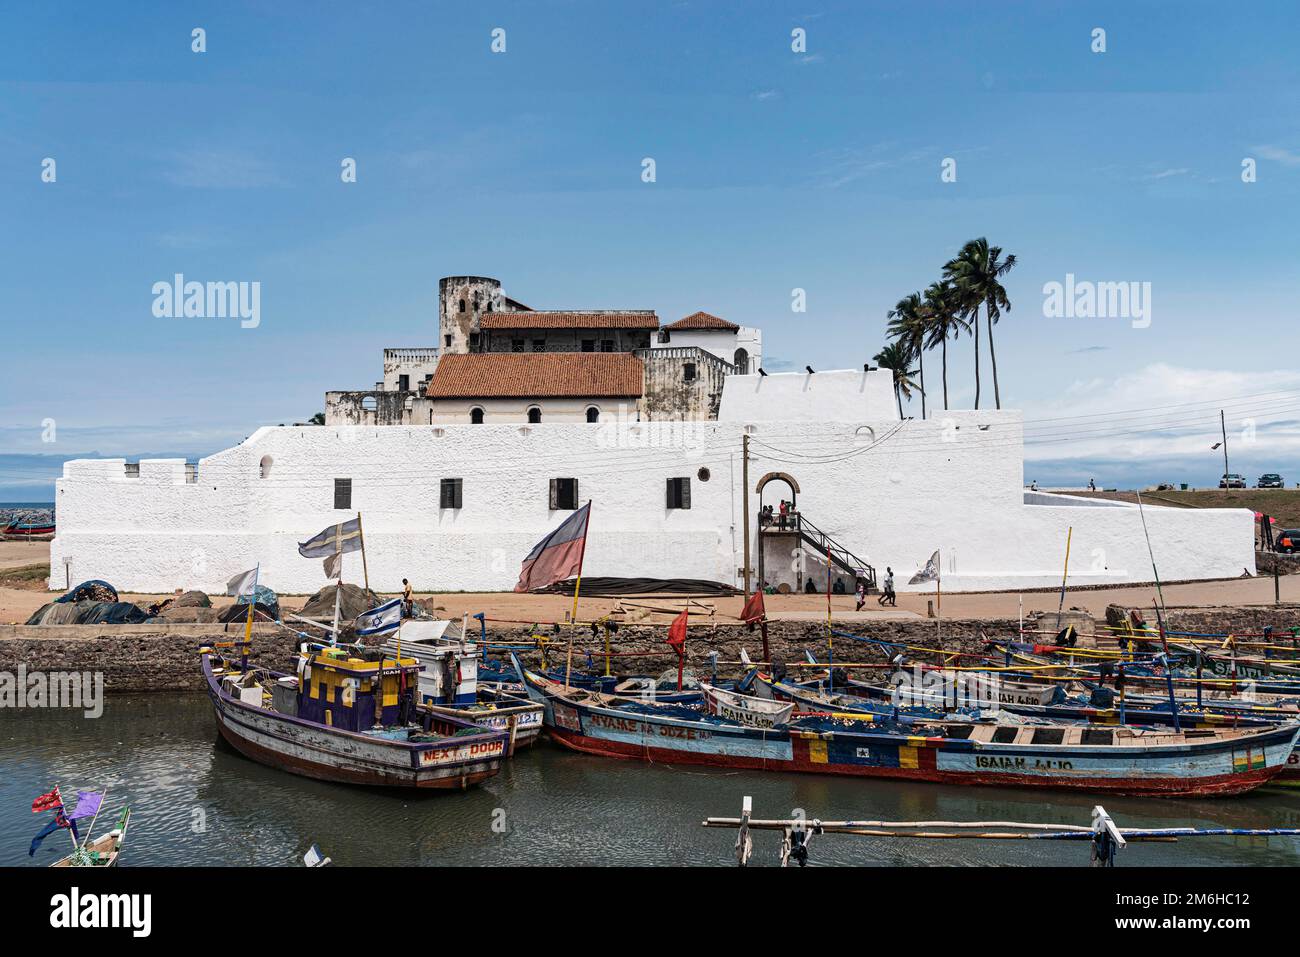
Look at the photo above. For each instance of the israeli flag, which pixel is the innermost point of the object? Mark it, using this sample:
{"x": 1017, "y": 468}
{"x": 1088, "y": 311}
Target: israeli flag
{"x": 378, "y": 621}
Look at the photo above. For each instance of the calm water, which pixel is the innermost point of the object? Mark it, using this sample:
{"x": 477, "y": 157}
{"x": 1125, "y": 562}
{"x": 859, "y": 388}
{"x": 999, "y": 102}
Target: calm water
{"x": 195, "y": 801}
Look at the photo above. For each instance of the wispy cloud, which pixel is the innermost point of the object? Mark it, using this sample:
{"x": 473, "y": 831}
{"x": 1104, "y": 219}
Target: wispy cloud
{"x": 1166, "y": 173}
{"x": 219, "y": 169}
{"x": 766, "y": 94}
{"x": 1278, "y": 155}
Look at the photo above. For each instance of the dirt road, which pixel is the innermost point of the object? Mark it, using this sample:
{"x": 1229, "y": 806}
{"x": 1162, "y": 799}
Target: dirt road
{"x": 18, "y": 604}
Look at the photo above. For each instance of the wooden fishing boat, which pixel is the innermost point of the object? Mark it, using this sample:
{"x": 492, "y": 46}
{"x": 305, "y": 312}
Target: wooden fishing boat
{"x": 345, "y": 717}
{"x": 28, "y": 528}
{"x": 1122, "y": 760}
{"x": 448, "y": 684}
{"x": 102, "y": 851}
{"x": 751, "y": 711}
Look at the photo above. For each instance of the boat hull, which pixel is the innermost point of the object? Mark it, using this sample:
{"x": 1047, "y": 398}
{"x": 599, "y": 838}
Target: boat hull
{"x": 1218, "y": 767}
{"x": 1217, "y": 785}
{"x": 315, "y": 751}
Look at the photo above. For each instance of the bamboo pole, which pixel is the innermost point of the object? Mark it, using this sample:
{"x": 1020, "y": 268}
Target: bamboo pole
{"x": 365, "y": 568}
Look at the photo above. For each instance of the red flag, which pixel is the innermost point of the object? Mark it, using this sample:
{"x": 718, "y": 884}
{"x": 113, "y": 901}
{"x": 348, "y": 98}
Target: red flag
{"x": 753, "y": 610}
{"x": 677, "y": 631}
{"x": 46, "y": 801}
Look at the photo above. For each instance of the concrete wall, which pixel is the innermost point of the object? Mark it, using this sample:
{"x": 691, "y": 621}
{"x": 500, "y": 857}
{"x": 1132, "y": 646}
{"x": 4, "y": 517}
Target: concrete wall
{"x": 670, "y": 396}
{"x": 721, "y": 343}
{"x": 372, "y": 407}
{"x": 952, "y": 484}
{"x": 416, "y": 364}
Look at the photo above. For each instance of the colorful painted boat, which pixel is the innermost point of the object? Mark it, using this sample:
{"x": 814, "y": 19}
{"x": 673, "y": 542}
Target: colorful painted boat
{"x": 102, "y": 851}
{"x": 343, "y": 719}
{"x": 27, "y": 528}
{"x": 448, "y": 684}
{"x": 1121, "y": 760}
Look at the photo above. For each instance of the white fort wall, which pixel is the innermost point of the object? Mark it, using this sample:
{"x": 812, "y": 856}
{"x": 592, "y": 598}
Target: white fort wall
{"x": 891, "y": 492}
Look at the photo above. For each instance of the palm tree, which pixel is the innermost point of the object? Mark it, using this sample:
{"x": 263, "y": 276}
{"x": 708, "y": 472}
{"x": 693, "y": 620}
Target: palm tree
{"x": 894, "y": 356}
{"x": 907, "y": 325}
{"x": 944, "y": 320}
{"x": 976, "y": 273}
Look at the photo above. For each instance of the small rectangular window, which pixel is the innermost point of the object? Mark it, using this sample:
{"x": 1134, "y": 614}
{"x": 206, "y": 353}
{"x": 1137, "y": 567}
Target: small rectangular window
{"x": 446, "y": 341}
{"x": 403, "y": 383}
{"x": 473, "y": 340}
{"x": 564, "y": 494}
{"x": 588, "y": 345}
{"x": 516, "y": 345}
{"x": 449, "y": 493}
{"x": 539, "y": 345}
{"x": 343, "y": 493}
{"x": 688, "y": 371}
{"x": 606, "y": 345}
{"x": 679, "y": 493}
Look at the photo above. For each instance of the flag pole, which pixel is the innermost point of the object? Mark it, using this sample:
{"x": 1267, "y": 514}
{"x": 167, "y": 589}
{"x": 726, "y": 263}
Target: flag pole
{"x": 582, "y": 555}
{"x": 1060, "y": 607}
{"x": 64, "y": 811}
{"x": 338, "y": 587}
{"x": 577, "y": 586}
{"x": 365, "y": 569}
{"x": 830, "y": 640}
{"x": 91, "y": 830}
{"x": 248, "y": 623}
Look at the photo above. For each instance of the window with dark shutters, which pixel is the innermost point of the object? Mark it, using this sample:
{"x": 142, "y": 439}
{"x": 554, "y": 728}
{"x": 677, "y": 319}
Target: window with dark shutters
{"x": 343, "y": 493}
{"x": 449, "y": 493}
{"x": 679, "y": 493}
{"x": 564, "y": 494}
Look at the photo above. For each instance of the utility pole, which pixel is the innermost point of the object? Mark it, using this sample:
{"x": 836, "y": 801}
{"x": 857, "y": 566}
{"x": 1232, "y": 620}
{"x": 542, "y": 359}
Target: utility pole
{"x": 1224, "y": 428}
{"x": 744, "y": 477}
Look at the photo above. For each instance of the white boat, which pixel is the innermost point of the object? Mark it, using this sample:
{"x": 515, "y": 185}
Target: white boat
{"x": 448, "y": 683}
{"x": 745, "y": 709}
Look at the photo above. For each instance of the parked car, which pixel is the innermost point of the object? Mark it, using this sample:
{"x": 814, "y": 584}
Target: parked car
{"x": 1232, "y": 480}
{"x": 1288, "y": 541}
{"x": 1270, "y": 480}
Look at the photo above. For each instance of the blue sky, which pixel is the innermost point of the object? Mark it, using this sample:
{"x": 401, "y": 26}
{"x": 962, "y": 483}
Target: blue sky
{"x": 775, "y": 170}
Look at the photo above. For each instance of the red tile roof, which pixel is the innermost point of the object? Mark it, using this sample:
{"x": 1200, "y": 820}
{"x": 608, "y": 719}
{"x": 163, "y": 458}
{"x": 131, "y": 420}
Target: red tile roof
{"x": 622, "y": 319}
{"x": 529, "y": 375}
{"x": 702, "y": 320}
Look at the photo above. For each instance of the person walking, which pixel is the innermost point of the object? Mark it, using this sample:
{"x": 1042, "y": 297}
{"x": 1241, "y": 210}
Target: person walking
{"x": 862, "y": 594}
{"x": 887, "y": 597}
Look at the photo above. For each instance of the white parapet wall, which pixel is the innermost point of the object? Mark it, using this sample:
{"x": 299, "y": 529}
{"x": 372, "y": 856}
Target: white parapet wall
{"x": 892, "y": 492}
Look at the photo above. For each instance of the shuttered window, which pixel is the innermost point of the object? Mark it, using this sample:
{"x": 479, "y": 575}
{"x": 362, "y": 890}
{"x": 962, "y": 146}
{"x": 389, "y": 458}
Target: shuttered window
{"x": 343, "y": 493}
{"x": 449, "y": 493}
{"x": 679, "y": 493}
{"x": 564, "y": 494}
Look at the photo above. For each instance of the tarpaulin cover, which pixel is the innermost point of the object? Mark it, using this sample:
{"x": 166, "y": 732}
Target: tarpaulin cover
{"x": 240, "y": 613}
{"x": 643, "y": 586}
{"x": 88, "y": 613}
{"x": 93, "y": 590}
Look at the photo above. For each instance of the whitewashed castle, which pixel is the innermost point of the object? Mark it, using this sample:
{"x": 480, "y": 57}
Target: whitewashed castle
{"x": 469, "y": 451}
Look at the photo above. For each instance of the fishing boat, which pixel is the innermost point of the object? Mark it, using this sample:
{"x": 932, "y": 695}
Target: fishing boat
{"x": 348, "y": 716}
{"x": 749, "y": 710}
{"x": 1121, "y": 760}
{"x": 102, "y": 851}
{"x": 27, "y": 529}
{"x": 448, "y": 683}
